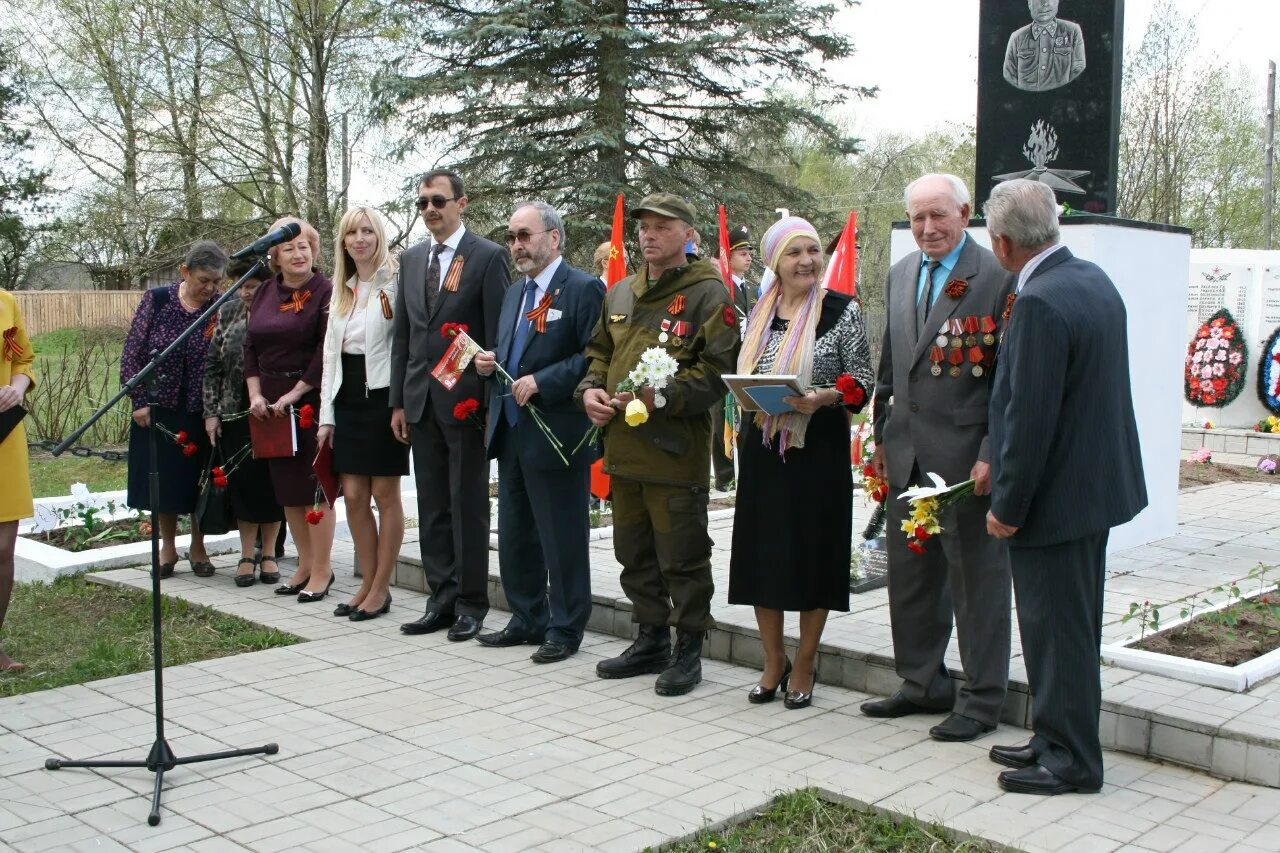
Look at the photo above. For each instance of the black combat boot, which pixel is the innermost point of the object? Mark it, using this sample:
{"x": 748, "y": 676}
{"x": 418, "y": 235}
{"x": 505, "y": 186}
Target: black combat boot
{"x": 686, "y": 668}
{"x": 651, "y": 652}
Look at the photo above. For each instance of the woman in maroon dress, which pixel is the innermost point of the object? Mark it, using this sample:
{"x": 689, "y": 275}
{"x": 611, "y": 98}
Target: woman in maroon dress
{"x": 283, "y": 360}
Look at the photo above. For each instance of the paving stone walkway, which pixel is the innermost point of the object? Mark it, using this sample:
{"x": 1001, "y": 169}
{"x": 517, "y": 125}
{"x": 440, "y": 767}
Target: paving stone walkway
{"x": 414, "y": 743}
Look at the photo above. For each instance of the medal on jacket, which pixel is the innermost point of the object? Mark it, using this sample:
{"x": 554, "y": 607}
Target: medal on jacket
{"x": 956, "y": 330}
{"x": 295, "y": 302}
{"x": 676, "y": 306}
{"x": 666, "y": 327}
{"x": 679, "y": 329}
{"x": 936, "y": 356}
{"x": 975, "y": 358}
{"x": 941, "y": 340}
{"x": 971, "y": 331}
{"x": 956, "y": 358}
{"x": 988, "y": 330}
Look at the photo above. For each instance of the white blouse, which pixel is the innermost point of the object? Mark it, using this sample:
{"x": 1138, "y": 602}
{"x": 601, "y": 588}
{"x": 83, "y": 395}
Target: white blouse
{"x": 353, "y": 334}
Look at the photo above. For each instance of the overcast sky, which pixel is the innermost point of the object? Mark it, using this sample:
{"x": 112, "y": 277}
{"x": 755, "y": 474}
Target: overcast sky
{"x": 941, "y": 84}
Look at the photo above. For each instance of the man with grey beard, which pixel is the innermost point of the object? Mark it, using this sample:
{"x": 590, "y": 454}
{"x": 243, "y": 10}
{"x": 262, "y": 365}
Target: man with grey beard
{"x": 543, "y": 526}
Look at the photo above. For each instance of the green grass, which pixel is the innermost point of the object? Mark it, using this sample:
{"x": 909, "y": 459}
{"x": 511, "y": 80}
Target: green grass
{"x": 77, "y": 370}
{"x": 70, "y": 632}
{"x": 803, "y": 822}
{"x": 52, "y": 477}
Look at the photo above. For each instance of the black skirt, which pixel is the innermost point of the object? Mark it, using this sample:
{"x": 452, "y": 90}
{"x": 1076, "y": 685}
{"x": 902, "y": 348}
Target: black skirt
{"x": 363, "y": 443}
{"x": 179, "y": 474}
{"x": 793, "y": 519}
{"x": 253, "y": 500}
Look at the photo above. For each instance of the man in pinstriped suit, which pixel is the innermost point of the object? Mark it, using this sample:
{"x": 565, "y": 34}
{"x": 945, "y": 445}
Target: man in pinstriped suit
{"x": 1066, "y": 467}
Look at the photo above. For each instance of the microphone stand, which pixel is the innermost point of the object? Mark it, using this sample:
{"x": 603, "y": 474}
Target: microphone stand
{"x": 162, "y": 757}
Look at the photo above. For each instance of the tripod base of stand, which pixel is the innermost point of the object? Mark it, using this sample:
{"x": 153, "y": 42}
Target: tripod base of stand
{"x": 160, "y": 759}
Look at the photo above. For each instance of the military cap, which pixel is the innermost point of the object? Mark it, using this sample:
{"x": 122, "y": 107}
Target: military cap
{"x": 665, "y": 204}
{"x": 739, "y": 237}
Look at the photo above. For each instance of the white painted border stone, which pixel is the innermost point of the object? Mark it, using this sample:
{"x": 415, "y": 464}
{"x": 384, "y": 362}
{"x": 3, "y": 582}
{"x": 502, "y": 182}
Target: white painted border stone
{"x": 1235, "y": 678}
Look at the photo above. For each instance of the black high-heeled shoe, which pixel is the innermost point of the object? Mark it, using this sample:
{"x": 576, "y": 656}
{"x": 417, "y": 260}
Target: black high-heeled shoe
{"x": 343, "y": 609}
{"x": 292, "y": 588}
{"x": 306, "y": 597}
{"x": 251, "y": 578}
{"x": 761, "y": 694}
{"x": 799, "y": 699}
{"x": 359, "y": 615}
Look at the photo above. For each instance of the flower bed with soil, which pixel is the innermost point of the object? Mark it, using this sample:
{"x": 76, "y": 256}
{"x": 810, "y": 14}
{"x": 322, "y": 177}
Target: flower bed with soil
{"x": 1233, "y": 644}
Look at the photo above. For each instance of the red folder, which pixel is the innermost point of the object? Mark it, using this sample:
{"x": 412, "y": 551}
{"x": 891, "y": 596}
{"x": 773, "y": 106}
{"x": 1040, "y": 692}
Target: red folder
{"x": 273, "y": 438}
{"x": 326, "y": 477}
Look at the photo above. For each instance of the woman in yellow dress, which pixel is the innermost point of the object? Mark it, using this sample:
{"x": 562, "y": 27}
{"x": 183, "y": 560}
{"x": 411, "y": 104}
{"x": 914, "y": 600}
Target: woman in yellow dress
{"x": 16, "y": 379}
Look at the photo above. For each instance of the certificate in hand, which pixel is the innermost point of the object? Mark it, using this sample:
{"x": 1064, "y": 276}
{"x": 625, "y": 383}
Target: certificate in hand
{"x": 763, "y": 392}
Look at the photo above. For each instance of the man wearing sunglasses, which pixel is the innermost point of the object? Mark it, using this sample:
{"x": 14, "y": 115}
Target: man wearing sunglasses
{"x": 543, "y": 526}
{"x": 454, "y": 277}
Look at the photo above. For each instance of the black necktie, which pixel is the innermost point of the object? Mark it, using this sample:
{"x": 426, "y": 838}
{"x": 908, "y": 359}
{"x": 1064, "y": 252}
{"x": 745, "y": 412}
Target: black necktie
{"x": 926, "y": 299}
{"x": 433, "y": 276}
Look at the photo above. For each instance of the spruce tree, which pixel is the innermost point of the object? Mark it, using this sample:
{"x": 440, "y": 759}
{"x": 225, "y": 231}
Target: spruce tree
{"x": 20, "y": 185}
{"x": 577, "y": 100}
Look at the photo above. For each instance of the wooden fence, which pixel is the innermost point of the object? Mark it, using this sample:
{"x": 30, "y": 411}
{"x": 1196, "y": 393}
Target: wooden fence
{"x": 50, "y": 310}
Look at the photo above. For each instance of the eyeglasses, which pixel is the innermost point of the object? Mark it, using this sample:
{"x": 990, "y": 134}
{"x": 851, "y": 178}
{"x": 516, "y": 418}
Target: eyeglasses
{"x": 523, "y": 235}
{"x": 436, "y": 201}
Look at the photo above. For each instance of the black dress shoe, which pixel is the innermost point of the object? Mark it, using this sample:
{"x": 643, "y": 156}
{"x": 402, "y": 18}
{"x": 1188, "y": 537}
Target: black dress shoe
{"x": 465, "y": 628}
{"x": 343, "y": 609}
{"x": 551, "y": 651}
{"x": 428, "y": 624}
{"x": 1014, "y": 756}
{"x": 291, "y": 588}
{"x": 897, "y": 705}
{"x": 307, "y": 597}
{"x": 958, "y": 727}
{"x": 359, "y": 615}
{"x": 1039, "y": 780}
{"x": 760, "y": 694}
{"x": 796, "y": 699}
{"x": 508, "y": 636}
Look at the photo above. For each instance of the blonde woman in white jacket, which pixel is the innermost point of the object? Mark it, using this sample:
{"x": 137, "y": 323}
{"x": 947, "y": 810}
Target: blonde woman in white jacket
{"x": 355, "y": 418}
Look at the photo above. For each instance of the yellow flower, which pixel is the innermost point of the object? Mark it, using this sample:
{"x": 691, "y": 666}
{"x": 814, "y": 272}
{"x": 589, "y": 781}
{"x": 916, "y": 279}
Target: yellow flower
{"x": 908, "y": 526}
{"x": 636, "y": 413}
{"x": 711, "y": 845}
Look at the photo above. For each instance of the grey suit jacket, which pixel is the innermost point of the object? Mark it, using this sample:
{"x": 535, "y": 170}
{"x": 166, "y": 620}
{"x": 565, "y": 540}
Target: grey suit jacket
{"x": 937, "y": 422}
{"x": 417, "y": 344}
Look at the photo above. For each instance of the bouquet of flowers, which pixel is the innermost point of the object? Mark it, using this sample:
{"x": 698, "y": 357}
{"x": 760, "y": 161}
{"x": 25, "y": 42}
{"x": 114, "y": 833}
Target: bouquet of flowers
{"x": 655, "y": 370}
{"x": 455, "y": 361}
{"x": 927, "y": 503}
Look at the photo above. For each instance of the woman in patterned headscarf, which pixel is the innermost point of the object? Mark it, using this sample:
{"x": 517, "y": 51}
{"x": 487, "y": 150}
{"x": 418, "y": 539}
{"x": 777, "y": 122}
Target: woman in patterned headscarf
{"x": 793, "y": 523}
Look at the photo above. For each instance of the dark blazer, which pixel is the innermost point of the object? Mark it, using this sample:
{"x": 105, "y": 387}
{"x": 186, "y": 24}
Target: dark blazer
{"x": 1065, "y": 457}
{"x": 555, "y": 358}
{"x": 417, "y": 344}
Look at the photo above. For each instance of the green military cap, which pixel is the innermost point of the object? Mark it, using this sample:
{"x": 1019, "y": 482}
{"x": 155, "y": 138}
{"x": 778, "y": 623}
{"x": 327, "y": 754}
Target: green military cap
{"x": 665, "y": 204}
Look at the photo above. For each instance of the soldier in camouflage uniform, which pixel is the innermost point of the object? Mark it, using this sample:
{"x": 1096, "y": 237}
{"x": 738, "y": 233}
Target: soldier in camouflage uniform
{"x": 659, "y": 468}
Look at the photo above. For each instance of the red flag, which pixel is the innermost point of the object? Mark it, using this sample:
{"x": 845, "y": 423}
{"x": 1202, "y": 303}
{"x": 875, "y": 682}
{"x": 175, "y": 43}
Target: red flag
{"x": 842, "y": 272}
{"x": 616, "y": 270}
{"x": 725, "y": 272}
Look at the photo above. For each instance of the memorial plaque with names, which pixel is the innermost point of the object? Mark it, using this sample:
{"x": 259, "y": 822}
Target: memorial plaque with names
{"x": 1269, "y": 307}
{"x": 1049, "y": 97}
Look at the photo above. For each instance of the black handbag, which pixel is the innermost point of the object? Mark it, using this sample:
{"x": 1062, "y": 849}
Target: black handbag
{"x": 213, "y": 506}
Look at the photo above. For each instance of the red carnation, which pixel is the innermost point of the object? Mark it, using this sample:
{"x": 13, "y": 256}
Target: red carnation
{"x": 880, "y": 494}
{"x": 220, "y": 482}
{"x": 730, "y": 316}
{"x": 1219, "y": 385}
{"x": 315, "y": 516}
{"x": 850, "y": 390}
{"x": 869, "y": 470}
{"x": 217, "y": 471}
{"x": 189, "y": 449}
{"x": 451, "y": 330}
{"x": 465, "y": 408}
{"x": 181, "y": 437}
{"x": 921, "y": 533}
{"x": 915, "y": 547}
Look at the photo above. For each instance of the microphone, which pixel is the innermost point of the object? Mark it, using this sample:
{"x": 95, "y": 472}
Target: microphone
{"x": 283, "y": 234}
